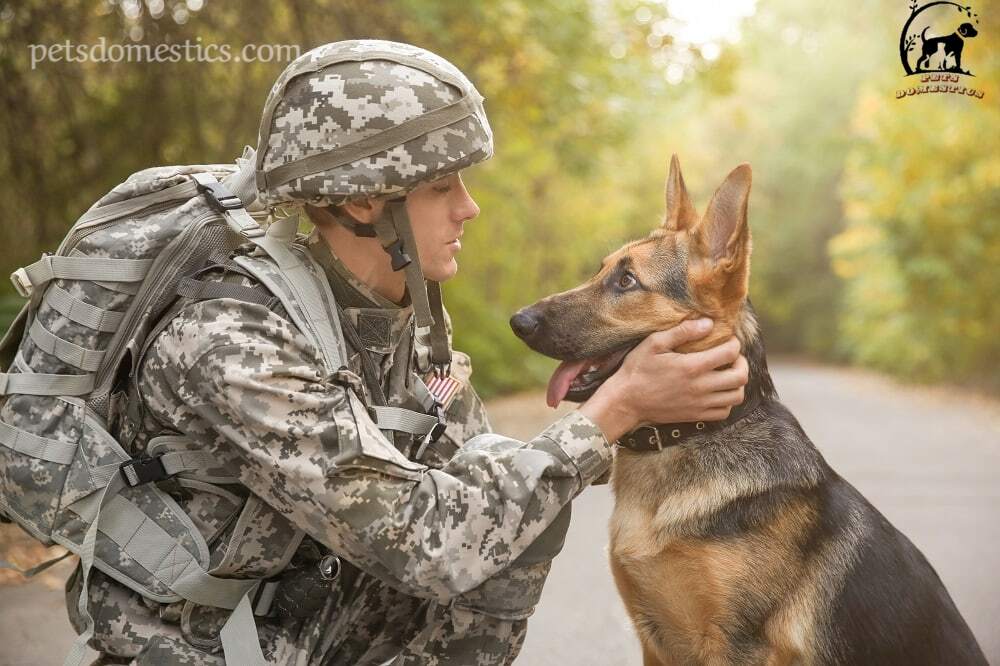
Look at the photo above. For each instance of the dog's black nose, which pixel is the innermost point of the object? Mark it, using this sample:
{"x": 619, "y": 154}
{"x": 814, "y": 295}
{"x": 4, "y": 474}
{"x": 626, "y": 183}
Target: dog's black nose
{"x": 525, "y": 323}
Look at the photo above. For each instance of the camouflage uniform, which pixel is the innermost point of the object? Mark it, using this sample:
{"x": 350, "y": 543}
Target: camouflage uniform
{"x": 444, "y": 554}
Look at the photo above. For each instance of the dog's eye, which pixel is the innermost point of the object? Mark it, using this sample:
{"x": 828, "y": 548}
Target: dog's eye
{"x": 627, "y": 281}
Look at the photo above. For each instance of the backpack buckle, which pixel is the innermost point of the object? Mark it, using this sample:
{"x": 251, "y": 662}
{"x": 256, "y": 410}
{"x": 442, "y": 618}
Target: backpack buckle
{"x": 221, "y": 198}
{"x": 144, "y": 469}
{"x": 22, "y": 283}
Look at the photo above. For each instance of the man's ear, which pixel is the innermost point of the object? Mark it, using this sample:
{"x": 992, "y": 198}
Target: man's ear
{"x": 363, "y": 210}
{"x": 723, "y": 234}
{"x": 680, "y": 211}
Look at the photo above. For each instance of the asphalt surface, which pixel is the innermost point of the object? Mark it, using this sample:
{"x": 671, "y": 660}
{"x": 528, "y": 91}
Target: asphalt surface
{"x": 928, "y": 458}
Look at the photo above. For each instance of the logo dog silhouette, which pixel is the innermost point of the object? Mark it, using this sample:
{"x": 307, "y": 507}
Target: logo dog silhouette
{"x": 952, "y": 44}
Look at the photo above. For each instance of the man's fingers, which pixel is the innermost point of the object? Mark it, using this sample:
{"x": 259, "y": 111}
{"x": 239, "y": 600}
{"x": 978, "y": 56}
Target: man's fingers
{"x": 662, "y": 342}
{"x": 725, "y": 398}
{"x": 717, "y": 414}
{"x": 726, "y": 379}
{"x": 716, "y": 357}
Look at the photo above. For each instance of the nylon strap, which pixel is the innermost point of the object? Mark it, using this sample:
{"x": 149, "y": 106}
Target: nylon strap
{"x": 403, "y": 420}
{"x": 36, "y": 446}
{"x": 78, "y": 651}
{"x": 423, "y": 394}
{"x": 393, "y": 230}
{"x": 242, "y": 182}
{"x": 174, "y": 462}
{"x": 22, "y": 383}
{"x": 387, "y": 418}
{"x": 440, "y": 349}
{"x": 158, "y": 552}
{"x": 311, "y": 306}
{"x": 368, "y": 368}
{"x": 240, "y": 644}
{"x": 229, "y": 205}
{"x": 81, "y": 312}
{"x": 414, "y": 275}
{"x": 67, "y": 352}
{"x": 51, "y": 267}
{"x": 199, "y": 289}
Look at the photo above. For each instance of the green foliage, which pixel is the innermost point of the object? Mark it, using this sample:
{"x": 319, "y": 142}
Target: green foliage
{"x": 585, "y": 121}
{"x": 920, "y": 253}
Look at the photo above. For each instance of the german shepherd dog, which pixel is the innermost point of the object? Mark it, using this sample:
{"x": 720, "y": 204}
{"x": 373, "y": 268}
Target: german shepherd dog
{"x": 735, "y": 542}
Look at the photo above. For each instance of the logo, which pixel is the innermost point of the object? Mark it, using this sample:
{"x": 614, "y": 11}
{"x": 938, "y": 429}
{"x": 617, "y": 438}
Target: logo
{"x": 934, "y": 44}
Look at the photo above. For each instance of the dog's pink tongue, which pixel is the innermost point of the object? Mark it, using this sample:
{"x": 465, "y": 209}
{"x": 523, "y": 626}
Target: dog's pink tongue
{"x": 561, "y": 379}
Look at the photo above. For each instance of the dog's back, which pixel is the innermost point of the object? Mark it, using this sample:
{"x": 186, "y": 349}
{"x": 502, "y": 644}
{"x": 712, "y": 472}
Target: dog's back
{"x": 892, "y": 607}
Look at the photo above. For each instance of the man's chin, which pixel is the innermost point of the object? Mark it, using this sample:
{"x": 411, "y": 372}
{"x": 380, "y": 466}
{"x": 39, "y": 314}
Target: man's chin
{"x": 442, "y": 272}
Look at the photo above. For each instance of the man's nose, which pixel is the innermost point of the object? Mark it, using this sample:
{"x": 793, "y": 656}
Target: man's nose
{"x": 467, "y": 209}
{"x": 525, "y": 323}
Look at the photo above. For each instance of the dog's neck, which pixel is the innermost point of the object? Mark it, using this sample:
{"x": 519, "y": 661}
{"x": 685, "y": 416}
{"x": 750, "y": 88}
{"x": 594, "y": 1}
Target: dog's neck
{"x": 760, "y": 386}
{"x": 758, "y": 391}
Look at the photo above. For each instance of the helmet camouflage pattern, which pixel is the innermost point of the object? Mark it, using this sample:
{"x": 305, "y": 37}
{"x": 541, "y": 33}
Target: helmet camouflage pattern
{"x": 366, "y": 118}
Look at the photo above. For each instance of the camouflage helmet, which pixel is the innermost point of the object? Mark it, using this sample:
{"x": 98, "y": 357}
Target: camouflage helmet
{"x": 366, "y": 118}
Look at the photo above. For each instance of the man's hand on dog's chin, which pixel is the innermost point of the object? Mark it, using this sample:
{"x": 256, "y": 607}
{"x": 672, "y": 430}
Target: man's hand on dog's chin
{"x": 658, "y": 385}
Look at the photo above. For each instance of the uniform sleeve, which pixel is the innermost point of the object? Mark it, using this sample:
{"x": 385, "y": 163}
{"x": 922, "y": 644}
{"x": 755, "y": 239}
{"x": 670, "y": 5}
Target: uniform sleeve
{"x": 246, "y": 382}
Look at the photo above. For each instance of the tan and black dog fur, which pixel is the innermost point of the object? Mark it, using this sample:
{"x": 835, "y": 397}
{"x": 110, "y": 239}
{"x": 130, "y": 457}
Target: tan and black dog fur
{"x": 740, "y": 546}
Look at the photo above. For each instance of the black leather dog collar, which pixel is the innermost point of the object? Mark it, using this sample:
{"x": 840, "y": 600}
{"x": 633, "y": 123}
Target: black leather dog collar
{"x": 656, "y": 438}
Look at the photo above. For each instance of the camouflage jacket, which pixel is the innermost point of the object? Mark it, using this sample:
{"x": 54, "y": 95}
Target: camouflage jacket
{"x": 241, "y": 380}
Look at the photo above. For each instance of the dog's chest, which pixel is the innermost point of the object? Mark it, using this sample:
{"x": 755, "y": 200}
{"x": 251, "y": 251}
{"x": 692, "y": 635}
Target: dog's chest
{"x": 644, "y": 485}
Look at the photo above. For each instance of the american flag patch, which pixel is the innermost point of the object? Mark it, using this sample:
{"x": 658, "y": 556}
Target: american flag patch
{"x": 444, "y": 389}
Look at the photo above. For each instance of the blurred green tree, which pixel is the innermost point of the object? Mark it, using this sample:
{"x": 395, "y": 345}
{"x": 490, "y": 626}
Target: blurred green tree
{"x": 921, "y": 249}
{"x": 588, "y": 101}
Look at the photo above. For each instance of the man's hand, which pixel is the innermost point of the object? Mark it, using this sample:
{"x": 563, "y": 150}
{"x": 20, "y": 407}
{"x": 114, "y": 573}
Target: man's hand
{"x": 658, "y": 385}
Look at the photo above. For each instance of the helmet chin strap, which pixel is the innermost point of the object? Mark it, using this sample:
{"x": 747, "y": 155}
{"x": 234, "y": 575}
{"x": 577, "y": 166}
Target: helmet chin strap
{"x": 394, "y": 232}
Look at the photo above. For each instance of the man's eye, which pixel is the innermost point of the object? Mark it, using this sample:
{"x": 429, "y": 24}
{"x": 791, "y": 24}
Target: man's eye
{"x": 627, "y": 281}
{"x": 442, "y": 188}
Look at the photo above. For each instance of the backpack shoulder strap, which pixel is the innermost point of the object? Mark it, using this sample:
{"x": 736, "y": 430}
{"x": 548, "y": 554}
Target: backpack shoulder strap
{"x": 295, "y": 278}
{"x": 298, "y": 281}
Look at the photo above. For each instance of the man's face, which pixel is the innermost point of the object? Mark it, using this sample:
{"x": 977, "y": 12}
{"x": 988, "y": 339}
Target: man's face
{"x": 438, "y": 212}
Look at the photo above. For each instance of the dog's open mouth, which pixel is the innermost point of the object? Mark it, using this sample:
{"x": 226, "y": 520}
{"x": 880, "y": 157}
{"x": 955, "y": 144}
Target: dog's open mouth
{"x": 577, "y": 380}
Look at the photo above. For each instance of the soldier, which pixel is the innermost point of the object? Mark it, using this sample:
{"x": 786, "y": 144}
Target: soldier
{"x": 382, "y": 547}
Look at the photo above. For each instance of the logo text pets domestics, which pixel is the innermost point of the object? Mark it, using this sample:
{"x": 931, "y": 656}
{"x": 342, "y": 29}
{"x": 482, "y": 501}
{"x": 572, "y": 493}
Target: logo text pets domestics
{"x": 938, "y": 43}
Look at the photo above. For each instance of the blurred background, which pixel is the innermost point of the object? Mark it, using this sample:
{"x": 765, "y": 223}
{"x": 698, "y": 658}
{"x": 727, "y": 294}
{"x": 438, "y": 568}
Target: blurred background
{"x": 876, "y": 220}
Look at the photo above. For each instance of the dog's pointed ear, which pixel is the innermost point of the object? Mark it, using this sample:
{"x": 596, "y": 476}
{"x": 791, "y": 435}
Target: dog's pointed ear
{"x": 680, "y": 212}
{"x": 724, "y": 234}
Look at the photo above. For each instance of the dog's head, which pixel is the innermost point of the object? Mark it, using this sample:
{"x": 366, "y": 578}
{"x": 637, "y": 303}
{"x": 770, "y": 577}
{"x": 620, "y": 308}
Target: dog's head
{"x": 967, "y": 30}
{"x": 688, "y": 267}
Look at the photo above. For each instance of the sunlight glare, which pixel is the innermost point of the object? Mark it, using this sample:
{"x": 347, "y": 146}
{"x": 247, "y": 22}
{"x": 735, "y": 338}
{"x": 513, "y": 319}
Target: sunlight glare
{"x": 698, "y": 22}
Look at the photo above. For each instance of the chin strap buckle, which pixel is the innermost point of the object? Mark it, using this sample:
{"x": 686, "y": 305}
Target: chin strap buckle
{"x": 400, "y": 259}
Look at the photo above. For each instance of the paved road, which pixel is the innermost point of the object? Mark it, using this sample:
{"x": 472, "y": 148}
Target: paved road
{"x": 929, "y": 459}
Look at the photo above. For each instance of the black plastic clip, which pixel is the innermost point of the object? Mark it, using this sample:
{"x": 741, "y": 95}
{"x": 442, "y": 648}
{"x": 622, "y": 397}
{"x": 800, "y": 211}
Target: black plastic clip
{"x": 220, "y": 197}
{"x": 142, "y": 470}
{"x": 439, "y": 427}
{"x": 400, "y": 259}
